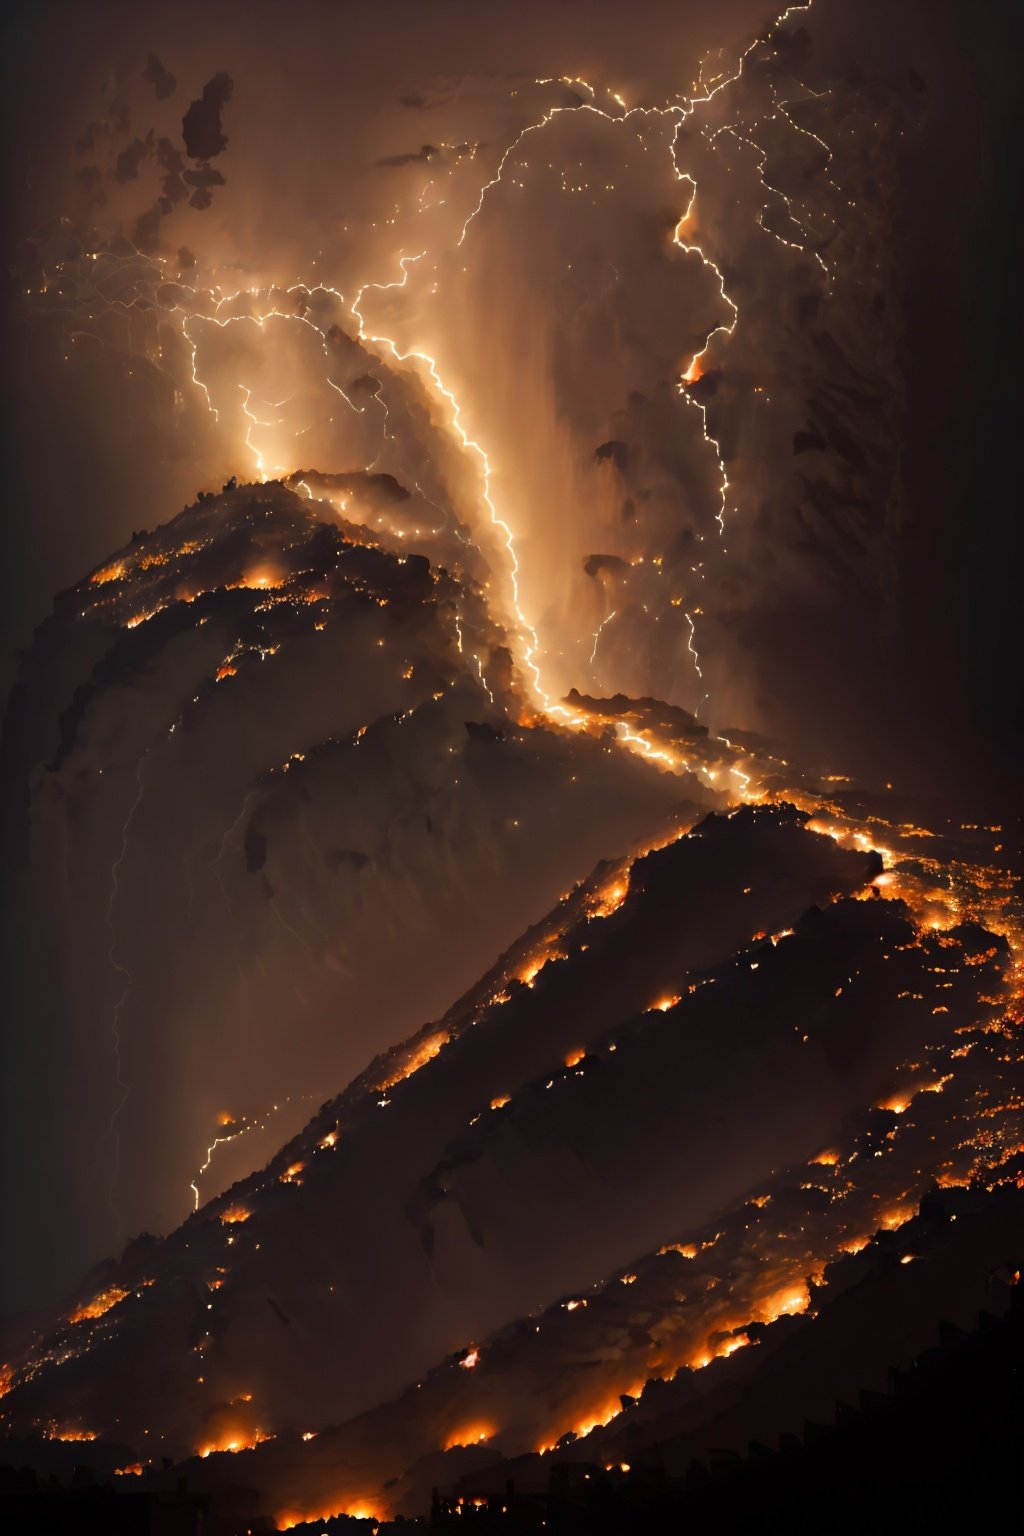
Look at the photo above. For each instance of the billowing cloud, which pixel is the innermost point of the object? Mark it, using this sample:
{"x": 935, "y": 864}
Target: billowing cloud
{"x": 201, "y": 126}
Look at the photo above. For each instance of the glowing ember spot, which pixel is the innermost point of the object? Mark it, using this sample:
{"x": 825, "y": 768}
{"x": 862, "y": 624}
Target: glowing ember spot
{"x": 784, "y": 1303}
{"x": 827, "y": 1159}
{"x": 469, "y": 1434}
{"x": 570, "y": 1306}
{"x": 224, "y": 1118}
{"x": 664, "y": 1004}
{"x": 599, "y": 1416}
{"x": 308, "y": 1434}
{"x": 500, "y": 1101}
{"x": 897, "y": 1216}
{"x": 70, "y": 1435}
{"x": 424, "y": 1052}
{"x": 112, "y": 572}
{"x": 6, "y": 1379}
{"x": 361, "y": 1509}
{"x": 574, "y": 1058}
{"x": 696, "y": 368}
{"x": 231, "y": 1441}
{"x": 235, "y": 1213}
{"x": 99, "y": 1304}
{"x": 261, "y": 579}
{"x": 291, "y": 1174}
{"x": 470, "y": 1360}
{"x": 897, "y": 1105}
{"x": 685, "y": 1250}
{"x": 329, "y": 1140}
{"x": 225, "y": 670}
{"x": 730, "y": 1346}
{"x": 134, "y": 1470}
{"x": 611, "y": 897}
{"x": 854, "y": 1244}
{"x": 532, "y": 967}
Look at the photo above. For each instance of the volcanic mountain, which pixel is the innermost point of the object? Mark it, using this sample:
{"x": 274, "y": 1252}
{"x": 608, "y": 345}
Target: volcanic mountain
{"x": 645, "y": 1139}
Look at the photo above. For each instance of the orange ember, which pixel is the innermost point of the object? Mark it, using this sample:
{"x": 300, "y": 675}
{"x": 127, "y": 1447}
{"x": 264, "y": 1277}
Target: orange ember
{"x": 664, "y": 1003}
{"x": 424, "y": 1052}
{"x": 112, "y": 572}
{"x": 99, "y": 1304}
{"x": 469, "y": 1434}
{"x": 235, "y": 1213}
{"x": 359, "y": 1509}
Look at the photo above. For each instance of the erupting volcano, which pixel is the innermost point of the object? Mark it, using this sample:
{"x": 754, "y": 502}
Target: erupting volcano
{"x": 547, "y": 555}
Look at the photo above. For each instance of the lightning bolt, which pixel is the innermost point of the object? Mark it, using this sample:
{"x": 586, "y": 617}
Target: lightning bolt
{"x": 470, "y": 445}
{"x": 597, "y": 635}
{"x": 616, "y": 112}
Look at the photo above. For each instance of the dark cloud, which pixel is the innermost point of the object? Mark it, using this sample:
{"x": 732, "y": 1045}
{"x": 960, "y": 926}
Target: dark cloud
{"x": 146, "y": 234}
{"x": 201, "y": 125}
{"x": 129, "y": 160}
{"x": 422, "y": 156}
{"x": 161, "y": 79}
{"x": 202, "y": 181}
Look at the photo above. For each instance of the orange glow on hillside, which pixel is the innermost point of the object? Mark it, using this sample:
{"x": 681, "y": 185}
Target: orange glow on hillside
{"x": 664, "y": 1003}
{"x": 232, "y": 1440}
{"x": 359, "y": 1509}
{"x": 99, "y": 1304}
{"x": 424, "y": 1052}
{"x": 611, "y": 897}
{"x": 235, "y": 1213}
{"x": 469, "y": 1434}
{"x": 112, "y": 572}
